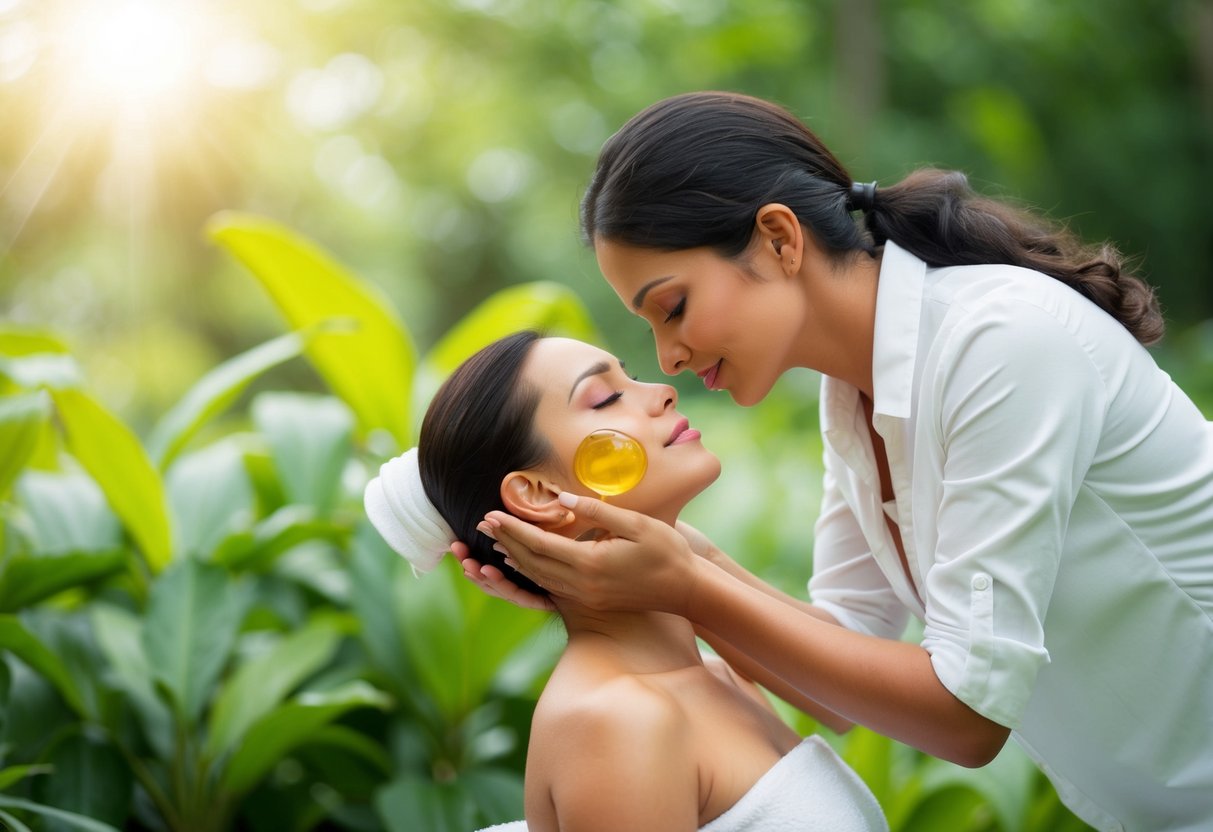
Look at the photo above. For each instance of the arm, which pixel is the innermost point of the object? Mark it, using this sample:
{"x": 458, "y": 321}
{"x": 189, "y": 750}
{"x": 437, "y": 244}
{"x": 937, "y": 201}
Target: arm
{"x": 885, "y": 684}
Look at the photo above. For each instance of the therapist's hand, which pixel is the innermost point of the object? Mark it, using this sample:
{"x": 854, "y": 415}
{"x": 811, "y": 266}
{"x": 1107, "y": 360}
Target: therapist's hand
{"x": 641, "y": 563}
{"x": 490, "y": 579}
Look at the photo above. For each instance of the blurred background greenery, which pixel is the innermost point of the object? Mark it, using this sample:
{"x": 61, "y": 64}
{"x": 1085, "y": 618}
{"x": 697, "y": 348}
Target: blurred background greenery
{"x": 438, "y": 150}
{"x": 440, "y": 147}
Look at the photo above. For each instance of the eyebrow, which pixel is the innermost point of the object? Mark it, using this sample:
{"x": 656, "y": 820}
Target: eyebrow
{"x": 595, "y": 370}
{"x": 638, "y": 301}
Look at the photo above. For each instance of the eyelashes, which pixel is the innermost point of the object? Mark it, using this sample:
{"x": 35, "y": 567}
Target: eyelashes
{"x": 676, "y": 311}
{"x": 609, "y": 400}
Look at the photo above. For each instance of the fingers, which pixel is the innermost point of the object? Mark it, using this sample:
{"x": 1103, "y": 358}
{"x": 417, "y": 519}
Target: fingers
{"x": 620, "y": 522}
{"x": 493, "y": 582}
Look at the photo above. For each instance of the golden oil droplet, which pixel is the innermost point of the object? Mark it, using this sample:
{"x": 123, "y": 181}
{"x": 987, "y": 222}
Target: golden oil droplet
{"x": 609, "y": 462}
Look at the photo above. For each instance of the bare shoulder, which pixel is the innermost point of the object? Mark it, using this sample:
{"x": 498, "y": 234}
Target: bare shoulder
{"x": 730, "y": 676}
{"x": 614, "y": 756}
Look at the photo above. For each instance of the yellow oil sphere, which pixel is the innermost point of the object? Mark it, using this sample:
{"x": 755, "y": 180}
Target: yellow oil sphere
{"x": 609, "y": 462}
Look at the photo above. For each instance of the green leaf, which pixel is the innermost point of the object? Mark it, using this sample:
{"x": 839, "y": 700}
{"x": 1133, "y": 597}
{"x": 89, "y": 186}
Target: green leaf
{"x": 410, "y": 803}
{"x": 16, "y": 825}
{"x": 457, "y": 637}
{"x": 286, "y": 528}
{"x": 211, "y": 497}
{"x": 90, "y": 779}
{"x": 193, "y": 615}
{"x": 67, "y": 513}
{"x": 21, "y": 420}
{"x": 120, "y": 636}
{"x": 15, "y": 638}
{"x": 549, "y": 307}
{"x": 112, "y": 455}
{"x": 311, "y": 438}
{"x": 290, "y": 725}
{"x": 70, "y": 818}
{"x": 372, "y": 368}
{"x": 28, "y": 579}
{"x": 57, "y": 371}
{"x": 15, "y": 774}
{"x": 260, "y": 685}
{"x": 21, "y": 341}
{"x": 216, "y": 391}
{"x": 497, "y": 793}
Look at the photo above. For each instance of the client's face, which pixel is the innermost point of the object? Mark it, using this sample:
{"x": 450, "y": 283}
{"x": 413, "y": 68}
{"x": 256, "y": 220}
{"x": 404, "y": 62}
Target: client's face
{"x": 584, "y": 389}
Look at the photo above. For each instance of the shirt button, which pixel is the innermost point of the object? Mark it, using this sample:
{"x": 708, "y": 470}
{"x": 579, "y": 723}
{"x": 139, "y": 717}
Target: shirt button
{"x": 981, "y": 582}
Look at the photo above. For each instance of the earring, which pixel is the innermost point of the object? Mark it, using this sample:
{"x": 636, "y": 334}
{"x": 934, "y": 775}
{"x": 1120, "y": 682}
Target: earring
{"x": 793, "y": 261}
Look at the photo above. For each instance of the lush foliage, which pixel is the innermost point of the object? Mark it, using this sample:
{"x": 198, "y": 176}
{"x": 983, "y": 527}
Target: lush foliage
{"x": 202, "y": 631}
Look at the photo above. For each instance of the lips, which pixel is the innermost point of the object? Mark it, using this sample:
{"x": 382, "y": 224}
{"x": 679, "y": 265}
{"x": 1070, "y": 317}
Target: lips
{"x": 682, "y": 433}
{"x": 709, "y": 375}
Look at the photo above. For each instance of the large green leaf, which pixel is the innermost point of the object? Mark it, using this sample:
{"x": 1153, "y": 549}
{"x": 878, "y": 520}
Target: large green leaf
{"x": 27, "y": 579}
{"x": 66, "y": 513}
{"x": 91, "y": 779}
{"x": 286, "y": 528}
{"x": 551, "y": 308}
{"x": 261, "y": 684}
{"x": 71, "y": 819}
{"x": 194, "y": 612}
{"x": 112, "y": 455}
{"x": 46, "y": 369}
{"x": 410, "y": 803}
{"x": 21, "y": 421}
{"x": 15, "y": 638}
{"x": 458, "y": 638}
{"x": 370, "y": 368}
{"x": 215, "y": 391}
{"x": 24, "y": 341}
{"x": 311, "y": 438}
{"x": 211, "y": 497}
{"x": 290, "y": 725}
{"x": 120, "y": 636}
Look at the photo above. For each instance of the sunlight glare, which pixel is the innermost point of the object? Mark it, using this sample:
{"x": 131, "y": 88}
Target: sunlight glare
{"x": 130, "y": 52}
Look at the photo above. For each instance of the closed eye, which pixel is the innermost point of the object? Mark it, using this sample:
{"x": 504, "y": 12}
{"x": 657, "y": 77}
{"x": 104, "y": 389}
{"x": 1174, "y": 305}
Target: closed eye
{"x": 609, "y": 400}
{"x": 676, "y": 311}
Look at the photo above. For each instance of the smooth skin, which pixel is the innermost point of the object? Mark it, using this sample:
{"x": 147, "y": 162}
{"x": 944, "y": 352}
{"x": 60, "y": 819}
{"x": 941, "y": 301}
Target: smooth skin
{"x": 635, "y": 729}
{"x": 740, "y": 324}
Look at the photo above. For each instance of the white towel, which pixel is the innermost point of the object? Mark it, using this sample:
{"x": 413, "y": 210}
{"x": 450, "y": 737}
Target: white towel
{"x": 398, "y": 507}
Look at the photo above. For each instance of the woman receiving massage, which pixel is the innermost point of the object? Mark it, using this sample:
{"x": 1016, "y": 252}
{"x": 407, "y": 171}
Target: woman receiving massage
{"x": 635, "y": 728}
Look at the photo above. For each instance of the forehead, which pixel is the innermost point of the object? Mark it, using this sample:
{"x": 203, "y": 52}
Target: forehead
{"x": 555, "y": 362}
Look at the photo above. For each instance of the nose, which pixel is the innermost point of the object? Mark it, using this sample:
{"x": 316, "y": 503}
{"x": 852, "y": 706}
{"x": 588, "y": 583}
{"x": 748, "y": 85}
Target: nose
{"x": 662, "y": 398}
{"x": 672, "y": 355}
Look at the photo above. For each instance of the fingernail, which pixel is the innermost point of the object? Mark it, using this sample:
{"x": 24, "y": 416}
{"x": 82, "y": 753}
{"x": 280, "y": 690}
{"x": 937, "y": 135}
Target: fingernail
{"x": 485, "y": 529}
{"x": 497, "y": 547}
{"x": 511, "y": 564}
{"x": 567, "y": 499}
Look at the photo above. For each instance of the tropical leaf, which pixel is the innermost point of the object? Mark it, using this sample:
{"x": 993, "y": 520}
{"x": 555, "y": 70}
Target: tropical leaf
{"x": 71, "y": 819}
{"x": 22, "y": 418}
{"x": 290, "y": 725}
{"x": 545, "y": 306}
{"x": 371, "y": 369}
{"x": 216, "y": 391}
{"x": 260, "y": 685}
{"x": 17, "y": 639}
{"x": 211, "y": 497}
{"x": 194, "y": 612}
{"x": 310, "y": 438}
{"x": 112, "y": 455}
{"x": 28, "y": 579}
{"x": 55, "y": 370}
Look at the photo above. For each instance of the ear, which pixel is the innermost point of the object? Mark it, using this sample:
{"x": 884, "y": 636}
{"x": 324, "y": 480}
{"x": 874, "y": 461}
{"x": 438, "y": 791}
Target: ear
{"x": 780, "y": 235}
{"x": 532, "y": 497}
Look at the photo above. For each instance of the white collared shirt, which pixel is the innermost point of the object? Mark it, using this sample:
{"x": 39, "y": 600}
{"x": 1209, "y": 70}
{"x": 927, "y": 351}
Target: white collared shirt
{"x": 1054, "y": 493}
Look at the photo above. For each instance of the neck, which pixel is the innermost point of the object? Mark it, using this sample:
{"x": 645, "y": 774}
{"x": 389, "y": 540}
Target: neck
{"x": 839, "y": 333}
{"x": 640, "y": 641}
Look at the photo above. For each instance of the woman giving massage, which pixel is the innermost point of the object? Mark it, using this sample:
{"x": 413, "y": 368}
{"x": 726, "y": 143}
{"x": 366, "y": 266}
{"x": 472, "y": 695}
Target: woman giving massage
{"x": 634, "y": 730}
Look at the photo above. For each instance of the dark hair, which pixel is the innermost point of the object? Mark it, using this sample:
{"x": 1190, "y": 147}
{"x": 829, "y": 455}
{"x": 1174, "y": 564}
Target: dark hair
{"x": 692, "y": 171}
{"x": 476, "y": 430}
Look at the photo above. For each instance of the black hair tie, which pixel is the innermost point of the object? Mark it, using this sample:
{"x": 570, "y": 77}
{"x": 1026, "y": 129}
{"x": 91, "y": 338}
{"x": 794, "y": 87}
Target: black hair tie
{"x": 863, "y": 196}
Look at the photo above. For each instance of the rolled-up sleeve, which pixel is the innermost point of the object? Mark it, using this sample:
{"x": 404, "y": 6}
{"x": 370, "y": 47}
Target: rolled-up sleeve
{"x": 847, "y": 583}
{"x": 1018, "y": 406}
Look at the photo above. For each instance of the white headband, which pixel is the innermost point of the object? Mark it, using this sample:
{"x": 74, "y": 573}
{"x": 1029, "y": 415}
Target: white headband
{"x": 399, "y": 509}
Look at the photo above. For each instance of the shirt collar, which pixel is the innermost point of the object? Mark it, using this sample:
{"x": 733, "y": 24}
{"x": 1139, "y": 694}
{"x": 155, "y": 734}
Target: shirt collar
{"x": 895, "y": 343}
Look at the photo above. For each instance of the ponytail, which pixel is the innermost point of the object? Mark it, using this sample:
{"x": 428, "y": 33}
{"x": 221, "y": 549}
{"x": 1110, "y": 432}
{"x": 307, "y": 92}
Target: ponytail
{"x": 935, "y": 215}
